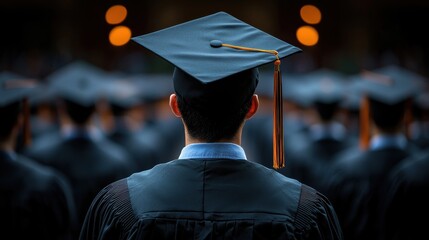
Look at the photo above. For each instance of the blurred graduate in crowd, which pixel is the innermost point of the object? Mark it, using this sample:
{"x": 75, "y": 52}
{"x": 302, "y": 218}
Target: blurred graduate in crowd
{"x": 36, "y": 201}
{"x": 357, "y": 181}
{"x": 80, "y": 151}
{"x": 124, "y": 96}
{"x": 311, "y": 160}
{"x": 161, "y": 129}
{"x": 407, "y": 188}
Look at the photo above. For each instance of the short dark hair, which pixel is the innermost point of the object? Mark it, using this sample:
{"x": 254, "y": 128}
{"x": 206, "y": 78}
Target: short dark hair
{"x": 212, "y": 126}
{"x": 326, "y": 111}
{"x": 78, "y": 114}
{"x": 387, "y": 117}
{"x": 9, "y": 117}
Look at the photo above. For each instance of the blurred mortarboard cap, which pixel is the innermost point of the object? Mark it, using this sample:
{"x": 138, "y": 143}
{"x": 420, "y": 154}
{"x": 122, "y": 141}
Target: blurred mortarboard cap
{"x": 202, "y": 62}
{"x": 78, "y": 82}
{"x": 389, "y": 85}
{"x": 153, "y": 87}
{"x": 14, "y": 87}
{"x": 122, "y": 92}
{"x": 296, "y": 89}
{"x": 44, "y": 94}
{"x": 216, "y": 59}
{"x": 325, "y": 86}
{"x": 77, "y": 67}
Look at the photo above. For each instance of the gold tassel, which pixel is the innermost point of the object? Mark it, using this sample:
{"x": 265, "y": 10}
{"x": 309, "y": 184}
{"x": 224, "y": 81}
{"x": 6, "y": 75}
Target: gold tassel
{"x": 278, "y": 147}
{"x": 364, "y": 124}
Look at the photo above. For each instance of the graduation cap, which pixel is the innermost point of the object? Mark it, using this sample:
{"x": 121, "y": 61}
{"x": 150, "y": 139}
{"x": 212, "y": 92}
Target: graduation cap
{"x": 387, "y": 86}
{"x": 121, "y": 92}
{"x": 153, "y": 87}
{"x": 326, "y": 86}
{"x": 15, "y": 88}
{"x": 78, "y": 82}
{"x": 216, "y": 59}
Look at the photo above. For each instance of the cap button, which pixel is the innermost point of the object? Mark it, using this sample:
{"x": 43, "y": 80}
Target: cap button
{"x": 216, "y": 43}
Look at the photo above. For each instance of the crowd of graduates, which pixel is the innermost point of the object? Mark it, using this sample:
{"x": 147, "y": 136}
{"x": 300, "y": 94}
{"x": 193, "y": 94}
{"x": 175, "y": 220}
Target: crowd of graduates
{"x": 361, "y": 140}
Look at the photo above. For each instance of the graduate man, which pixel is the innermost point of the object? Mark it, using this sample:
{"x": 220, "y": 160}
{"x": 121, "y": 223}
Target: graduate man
{"x": 36, "y": 202}
{"x": 355, "y": 186}
{"x": 212, "y": 191}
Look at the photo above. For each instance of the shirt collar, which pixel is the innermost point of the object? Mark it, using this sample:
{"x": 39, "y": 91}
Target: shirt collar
{"x": 213, "y": 151}
{"x": 383, "y": 141}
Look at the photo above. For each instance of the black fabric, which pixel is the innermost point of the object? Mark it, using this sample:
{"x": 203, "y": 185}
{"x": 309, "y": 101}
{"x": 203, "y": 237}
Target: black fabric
{"x": 35, "y": 202}
{"x": 406, "y": 204}
{"x": 210, "y": 199}
{"x": 89, "y": 165}
{"x": 355, "y": 188}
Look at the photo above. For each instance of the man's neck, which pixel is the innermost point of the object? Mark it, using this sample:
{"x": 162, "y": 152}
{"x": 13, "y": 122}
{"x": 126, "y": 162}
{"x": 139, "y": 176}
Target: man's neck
{"x": 190, "y": 140}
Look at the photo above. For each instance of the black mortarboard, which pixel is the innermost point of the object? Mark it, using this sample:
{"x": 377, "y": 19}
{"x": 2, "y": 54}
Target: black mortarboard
{"x": 153, "y": 87}
{"x": 78, "y": 82}
{"x": 325, "y": 89}
{"x": 121, "y": 92}
{"x": 388, "y": 85}
{"x": 216, "y": 59}
{"x": 326, "y": 86}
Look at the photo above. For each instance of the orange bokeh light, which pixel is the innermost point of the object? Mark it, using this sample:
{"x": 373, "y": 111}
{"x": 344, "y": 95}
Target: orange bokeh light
{"x": 116, "y": 14}
{"x": 119, "y": 35}
{"x": 311, "y": 14}
{"x": 307, "y": 35}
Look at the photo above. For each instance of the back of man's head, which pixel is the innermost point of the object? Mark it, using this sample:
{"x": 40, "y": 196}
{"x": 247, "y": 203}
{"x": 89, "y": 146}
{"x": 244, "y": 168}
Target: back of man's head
{"x": 78, "y": 113}
{"x": 387, "y": 117}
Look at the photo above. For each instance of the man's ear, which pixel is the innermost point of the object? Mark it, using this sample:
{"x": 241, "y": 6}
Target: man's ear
{"x": 253, "y": 107}
{"x": 174, "y": 106}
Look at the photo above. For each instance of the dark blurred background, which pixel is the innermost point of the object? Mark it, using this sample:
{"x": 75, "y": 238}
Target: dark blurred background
{"x": 38, "y": 36}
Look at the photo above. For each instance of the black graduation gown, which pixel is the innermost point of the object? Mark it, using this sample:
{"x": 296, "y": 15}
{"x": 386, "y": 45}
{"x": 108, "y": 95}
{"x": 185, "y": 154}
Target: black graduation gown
{"x": 210, "y": 199}
{"x": 355, "y": 187}
{"x": 406, "y": 204}
{"x": 89, "y": 164}
{"x": 35, "y": 202}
